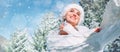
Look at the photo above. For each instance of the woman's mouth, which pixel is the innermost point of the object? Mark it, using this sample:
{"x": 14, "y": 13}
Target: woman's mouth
{"x": 72, "y": 17}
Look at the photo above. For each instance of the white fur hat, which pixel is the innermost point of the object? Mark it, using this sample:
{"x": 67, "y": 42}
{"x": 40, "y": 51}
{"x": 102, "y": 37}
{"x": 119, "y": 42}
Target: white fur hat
{"x": 76, "y": 6}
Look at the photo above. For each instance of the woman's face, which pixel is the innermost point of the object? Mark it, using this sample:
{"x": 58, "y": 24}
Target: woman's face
{"x": 72, "y": 16}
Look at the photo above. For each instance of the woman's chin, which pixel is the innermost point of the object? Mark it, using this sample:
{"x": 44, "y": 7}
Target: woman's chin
{"x": 73, "y": 24}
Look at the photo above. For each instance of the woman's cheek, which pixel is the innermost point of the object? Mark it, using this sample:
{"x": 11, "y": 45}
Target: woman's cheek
{"x": 77, "y": 21}
{"x": 68, "y": 18}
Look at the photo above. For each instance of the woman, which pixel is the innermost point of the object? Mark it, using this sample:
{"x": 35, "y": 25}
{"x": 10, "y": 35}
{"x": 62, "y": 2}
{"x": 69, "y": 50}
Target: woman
{"x": 71, "y": 33}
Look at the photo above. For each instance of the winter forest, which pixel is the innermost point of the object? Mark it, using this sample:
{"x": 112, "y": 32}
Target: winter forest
{"x": 98, "y": 13}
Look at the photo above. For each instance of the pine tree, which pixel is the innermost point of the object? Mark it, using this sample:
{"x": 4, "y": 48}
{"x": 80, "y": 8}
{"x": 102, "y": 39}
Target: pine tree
{"x": 48, "y": 22}
{"x": 113, "y": 46}
{"x": 94, "y": 10}
{"x": 20, "y": 43}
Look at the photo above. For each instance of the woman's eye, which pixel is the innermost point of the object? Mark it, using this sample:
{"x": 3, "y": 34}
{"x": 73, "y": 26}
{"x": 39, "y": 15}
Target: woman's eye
{"x": 78, "y": 14}
{"x": 71, "y": 10}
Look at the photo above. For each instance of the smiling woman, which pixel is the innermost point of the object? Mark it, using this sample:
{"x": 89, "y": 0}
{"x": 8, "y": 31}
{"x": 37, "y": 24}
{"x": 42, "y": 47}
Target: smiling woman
{"x": 72, "y": 35}
{"x": 20, "y": 14}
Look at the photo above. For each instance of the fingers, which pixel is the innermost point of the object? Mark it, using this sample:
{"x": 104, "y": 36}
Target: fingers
{"x": 98, "y": 29}
{"x": 63, "y": 32}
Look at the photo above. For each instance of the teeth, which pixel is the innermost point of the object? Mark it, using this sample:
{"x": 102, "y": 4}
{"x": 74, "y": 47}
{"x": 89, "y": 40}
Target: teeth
{"x": 72, "y": 17}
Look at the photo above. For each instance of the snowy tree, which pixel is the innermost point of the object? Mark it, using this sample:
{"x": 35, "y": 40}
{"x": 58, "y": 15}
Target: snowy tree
{"x": 93, "y": 11}
{"x": 20, "y": 42}
{"x": 113, "y": 46}
{"x": 48, "y": 22}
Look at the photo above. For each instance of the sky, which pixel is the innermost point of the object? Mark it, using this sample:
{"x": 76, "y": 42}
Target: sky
{"x": 20, "y": 14}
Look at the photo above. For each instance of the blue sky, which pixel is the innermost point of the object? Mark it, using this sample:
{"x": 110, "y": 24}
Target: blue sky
{"x": 20, "y": 14}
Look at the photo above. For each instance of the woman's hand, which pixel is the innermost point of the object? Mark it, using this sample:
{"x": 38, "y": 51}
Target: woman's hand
{"x": 98, "y": 29}
{"x": 61, "y": 30}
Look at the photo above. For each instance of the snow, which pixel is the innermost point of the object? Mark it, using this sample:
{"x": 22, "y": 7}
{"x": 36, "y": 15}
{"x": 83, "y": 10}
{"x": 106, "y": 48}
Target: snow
{"x": 20, "y": 42}
{"x": 110, "y": 27}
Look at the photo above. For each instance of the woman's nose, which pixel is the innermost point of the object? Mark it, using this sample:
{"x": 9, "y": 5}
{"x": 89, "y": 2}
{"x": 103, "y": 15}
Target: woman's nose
{"x": 74, "y": 15}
